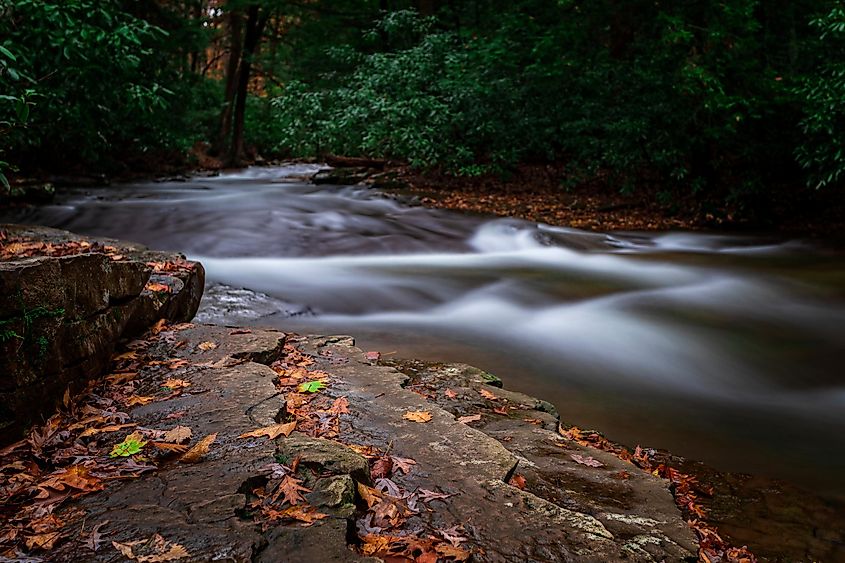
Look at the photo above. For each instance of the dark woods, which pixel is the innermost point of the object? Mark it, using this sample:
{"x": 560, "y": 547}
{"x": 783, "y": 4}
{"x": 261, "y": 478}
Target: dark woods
{"x": 735, "y": 99}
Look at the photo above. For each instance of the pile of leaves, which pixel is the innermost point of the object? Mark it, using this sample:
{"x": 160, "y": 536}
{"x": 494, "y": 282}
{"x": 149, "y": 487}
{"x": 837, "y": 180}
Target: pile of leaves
{"x": 90, "y": 442}
{"x": 687, "y": 491}
{"x": 12, "y": 247}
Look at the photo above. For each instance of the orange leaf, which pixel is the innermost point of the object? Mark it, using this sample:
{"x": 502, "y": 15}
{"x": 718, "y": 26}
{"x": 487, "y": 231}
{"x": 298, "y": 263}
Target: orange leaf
{"x": 200, "y": 449}
{"x": 206, "y": 346}
{"x": 470, "y": 418}
{"x": 487, "y": 394}
{"x": 417, "y": 416}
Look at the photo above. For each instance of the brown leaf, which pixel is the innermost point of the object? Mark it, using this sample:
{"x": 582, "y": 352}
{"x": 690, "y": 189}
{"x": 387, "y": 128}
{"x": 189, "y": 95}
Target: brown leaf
{"x": 76, "y": 477}
{"x": 487, "y": 394}
{"x": 122, "y": 377}
{"x": 175, "y": 384}
{"x": 370, "y": 495}
{"x": 168, "y": 447}
{"x": 589, "y": 461}
{"x": 517, "y": 481}
{"x": 158, "y": 327}
{"x": 200, "y": 449}
{"x": 417, "y": 416}
{"x": 291, "y": 489}
{"x": 95, "y": 538}
{"x": 383, "y": 467}
{"x": 340, "y": 406}
{"x": 501, "y": 410}
{"x": 43, "y": 541}
{"x": 373, "y": 356}
{"x": 403, "y": 464}
{"x": 300, "y": 512}
{"x": 177, "y": 435}
{"x": 206, "y": 346}
{"x": 156, "y": 287}
{"x": 112, "y": 428}
{"x": 470, "y": 418}
{"x": 138, "y": 400}
{"x": 240, "y": 331}
{"x": 272, "y": 431}
{"x": 154, "y": 550}
{"x": 450, "y": 394}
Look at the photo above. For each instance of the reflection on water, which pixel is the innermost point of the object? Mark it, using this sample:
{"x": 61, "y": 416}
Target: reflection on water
{"x": 721, "y": 348}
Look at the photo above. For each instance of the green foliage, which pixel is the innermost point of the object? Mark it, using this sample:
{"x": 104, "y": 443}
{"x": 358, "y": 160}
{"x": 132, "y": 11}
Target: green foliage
{"x": 130, "y": 445}
{"x": 822, "y": 150}
{"x": 311, "y": 386}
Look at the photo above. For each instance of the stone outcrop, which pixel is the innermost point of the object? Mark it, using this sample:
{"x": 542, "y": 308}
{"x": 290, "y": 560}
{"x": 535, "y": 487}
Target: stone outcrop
{"x": 61, "y": 316}
{"x": 567, "y": 511}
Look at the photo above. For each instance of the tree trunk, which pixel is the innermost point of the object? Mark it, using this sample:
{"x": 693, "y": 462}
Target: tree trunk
{"x": 235, "y": 51}
{"x": 256, "y": 20}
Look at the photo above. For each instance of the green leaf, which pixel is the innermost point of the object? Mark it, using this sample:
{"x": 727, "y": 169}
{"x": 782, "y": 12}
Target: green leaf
{"x": 8, "y": 54}
{"x": 5, "y": 181}
{"x": 130, "y": 445}
{"x": 311, "y": 386}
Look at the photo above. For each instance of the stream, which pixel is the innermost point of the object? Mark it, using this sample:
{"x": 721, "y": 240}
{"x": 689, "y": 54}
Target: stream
{"x": 726, "y": 349}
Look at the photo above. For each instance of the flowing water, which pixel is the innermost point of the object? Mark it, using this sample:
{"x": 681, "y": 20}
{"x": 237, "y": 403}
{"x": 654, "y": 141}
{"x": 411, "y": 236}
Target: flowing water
{"x": 725, "y": 349}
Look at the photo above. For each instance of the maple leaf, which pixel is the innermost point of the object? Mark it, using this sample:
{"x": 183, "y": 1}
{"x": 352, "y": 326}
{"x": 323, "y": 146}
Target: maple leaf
{"x": 177, "y": 435}
{"x": 403, "y": 464}
{"x": 311, "y": 386}
{"x": 417, "y": 416}
{"x": 130, "y": 445}
{"x": 450, "y": 394}
{"x": 589, "y": 461}
{"x": 487, "y": 395}
{"x": 75, "y": 477}
{"x": 273, "y": 431}
{"x": 200, "y": 449}
{"x": 154, "y": 550}
{"x": 470, "y": 418}
{"x": 517, "y": 481}
{"x": 291, "y": 489}
{"x": 206, "y": 346}
{"x": 44, "y": 541}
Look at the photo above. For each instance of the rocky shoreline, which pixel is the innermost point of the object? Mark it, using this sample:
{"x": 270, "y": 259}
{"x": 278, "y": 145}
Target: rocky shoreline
{"x": 205, "y": 442}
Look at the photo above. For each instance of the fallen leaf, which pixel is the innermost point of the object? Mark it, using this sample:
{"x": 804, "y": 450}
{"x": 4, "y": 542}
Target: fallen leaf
{"x": 174, "y": 384}
{"x": 112, "y": 428}
{"x": 501, "y": 410}
{"x": 311, "y": 386}
{"x": 200, "y": 449}
{"x": 177, "y": 435}
{"x": 158, "y": 327}
{"x": 302, "y": 513}
{"x": 170, "y": 447}
{"x": 75, "y": 477}
{"x": 373, "y": 356}
{"x": 291, "y": 489}
{"x": 450, "y": 394}
{"x": 403, "y": 464}
{"x": 154, "y": 550}
{"x": 383, "y": 467}
{"x": 487, "y": 394}
{"x": 138, "y": 400}
{"x": 130, "y": 445}
{"x": 131, "y": 355}
{"x": 206, "y": 346}
{"x": 43, "y": 541}
{"x": 535, "y": 421}
{"x": 453, "y": 535}
{"x": 240, "y": 331}
{"x": 470, "y": 418}
{"x": 123, "y": 377}
{"x": 517, "y": 481}
{"x": 340, "y": 406}
{"x": 589, "y": 461}
{"x": 417, "y": 416}
{"x": 156, "y": 287}
{"x": 95, "y": 538}
{"x": 370, "y": 495}
{"x": 427, "y": 496}
{"x": 273, "y": 431}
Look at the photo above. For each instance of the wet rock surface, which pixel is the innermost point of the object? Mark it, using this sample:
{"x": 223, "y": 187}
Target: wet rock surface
{"x": 565, "y": 511}
{"x": 61, "y": 315}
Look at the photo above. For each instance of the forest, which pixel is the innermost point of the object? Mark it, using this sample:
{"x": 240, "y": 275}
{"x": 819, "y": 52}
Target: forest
{"x": 733, "y": 100}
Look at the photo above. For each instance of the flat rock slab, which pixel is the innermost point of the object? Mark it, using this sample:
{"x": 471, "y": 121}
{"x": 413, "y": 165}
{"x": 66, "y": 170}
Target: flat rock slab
{"x": 566, "y": 511}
